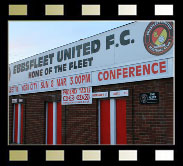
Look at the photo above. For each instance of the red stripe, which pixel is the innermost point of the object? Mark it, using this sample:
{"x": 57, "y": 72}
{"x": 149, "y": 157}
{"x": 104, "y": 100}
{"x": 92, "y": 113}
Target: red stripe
{"x": 121, "y": 121}
{"x": 59, "y": 123}
{"x": 105, "y": 122}
{"x": 158, "y": 31}
{"x": 50, "y": 124}
{"x": 16, "y": 124}
{"x": 21, "y": 138}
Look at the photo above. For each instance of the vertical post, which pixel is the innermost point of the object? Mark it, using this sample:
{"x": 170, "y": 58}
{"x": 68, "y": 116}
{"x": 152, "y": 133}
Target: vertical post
{"x": 54, "y": 123}
{"x": 19, "y": 123}
{"x": 113, "y": 121}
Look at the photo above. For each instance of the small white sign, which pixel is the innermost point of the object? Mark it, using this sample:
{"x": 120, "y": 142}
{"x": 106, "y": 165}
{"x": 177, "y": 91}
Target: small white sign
{"x": 21, "y": 100}
{"x": 119, "y": 93}
{"x": 14, "y": 101}
{"x": 100, "y": 95}
{"x": 77, "y": 96}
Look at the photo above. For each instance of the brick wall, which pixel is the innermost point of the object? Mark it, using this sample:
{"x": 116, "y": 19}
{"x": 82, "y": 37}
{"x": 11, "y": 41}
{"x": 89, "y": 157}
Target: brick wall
{"x": 81, "y": 124}
{"x": 146, "y": 124}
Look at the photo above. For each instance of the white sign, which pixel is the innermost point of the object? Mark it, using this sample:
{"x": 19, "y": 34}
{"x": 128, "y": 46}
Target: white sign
{"x": 14, "y": 101}
{"x": 131, "y": 73}
{"x": 119, "y": 55}
{"x": 120, "y": 93}
{"x": 77, "y": 96}
{"x": 21, "y": 100}
{"x": 100, "y": 95}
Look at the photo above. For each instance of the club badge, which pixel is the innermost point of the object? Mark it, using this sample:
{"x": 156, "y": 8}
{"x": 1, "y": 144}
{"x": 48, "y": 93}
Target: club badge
{"x": 158, "y": 37}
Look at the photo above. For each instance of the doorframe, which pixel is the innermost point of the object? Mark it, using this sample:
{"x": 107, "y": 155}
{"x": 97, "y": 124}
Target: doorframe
{"x": 112, "y": 119}
{"x": 19, "y": 123}
{"x": 113, "y": 136}
{"x": 54, "y": 122}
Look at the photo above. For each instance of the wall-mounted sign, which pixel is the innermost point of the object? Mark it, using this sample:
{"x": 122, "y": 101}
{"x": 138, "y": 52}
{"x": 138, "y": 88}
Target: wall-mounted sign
{"x": 116, "y": 56}
{"x": 20, "y": 100}
{"x": 119, "y": 93}
{"x": 77, "y": 96}
{"x": 100, "y": 95}
{"x": 149, "y": 98}
{"x": 14, "y": 101}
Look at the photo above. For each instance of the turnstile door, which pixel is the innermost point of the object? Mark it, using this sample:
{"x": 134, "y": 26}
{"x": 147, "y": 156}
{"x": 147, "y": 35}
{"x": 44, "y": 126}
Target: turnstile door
{"x": 104, "y": 121}
{"x": 112, "y": 121}
{"x": 18, "y": 123}
{"x": 53, "y": 123}
{"x": 121, "y": 121}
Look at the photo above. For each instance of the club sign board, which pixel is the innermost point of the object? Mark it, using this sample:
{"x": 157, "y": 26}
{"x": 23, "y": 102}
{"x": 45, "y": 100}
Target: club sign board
{"x": 142, "y": 50}
{"x": 120, "y": 93}
{"x": 77, "y": 96}
{"x": 149, "y": 98}
{"x": 97, "y": 95}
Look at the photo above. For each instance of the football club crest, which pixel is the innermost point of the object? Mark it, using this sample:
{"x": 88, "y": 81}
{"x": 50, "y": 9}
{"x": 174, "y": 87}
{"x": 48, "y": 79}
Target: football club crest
{"x": 158, "y": 37}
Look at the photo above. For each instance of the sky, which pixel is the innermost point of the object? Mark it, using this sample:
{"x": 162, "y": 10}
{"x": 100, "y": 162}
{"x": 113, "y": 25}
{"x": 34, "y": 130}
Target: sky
{"x": 27, "y": 38}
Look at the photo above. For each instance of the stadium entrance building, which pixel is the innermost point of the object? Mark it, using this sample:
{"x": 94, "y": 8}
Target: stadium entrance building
{"x": 111, "y": 88}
